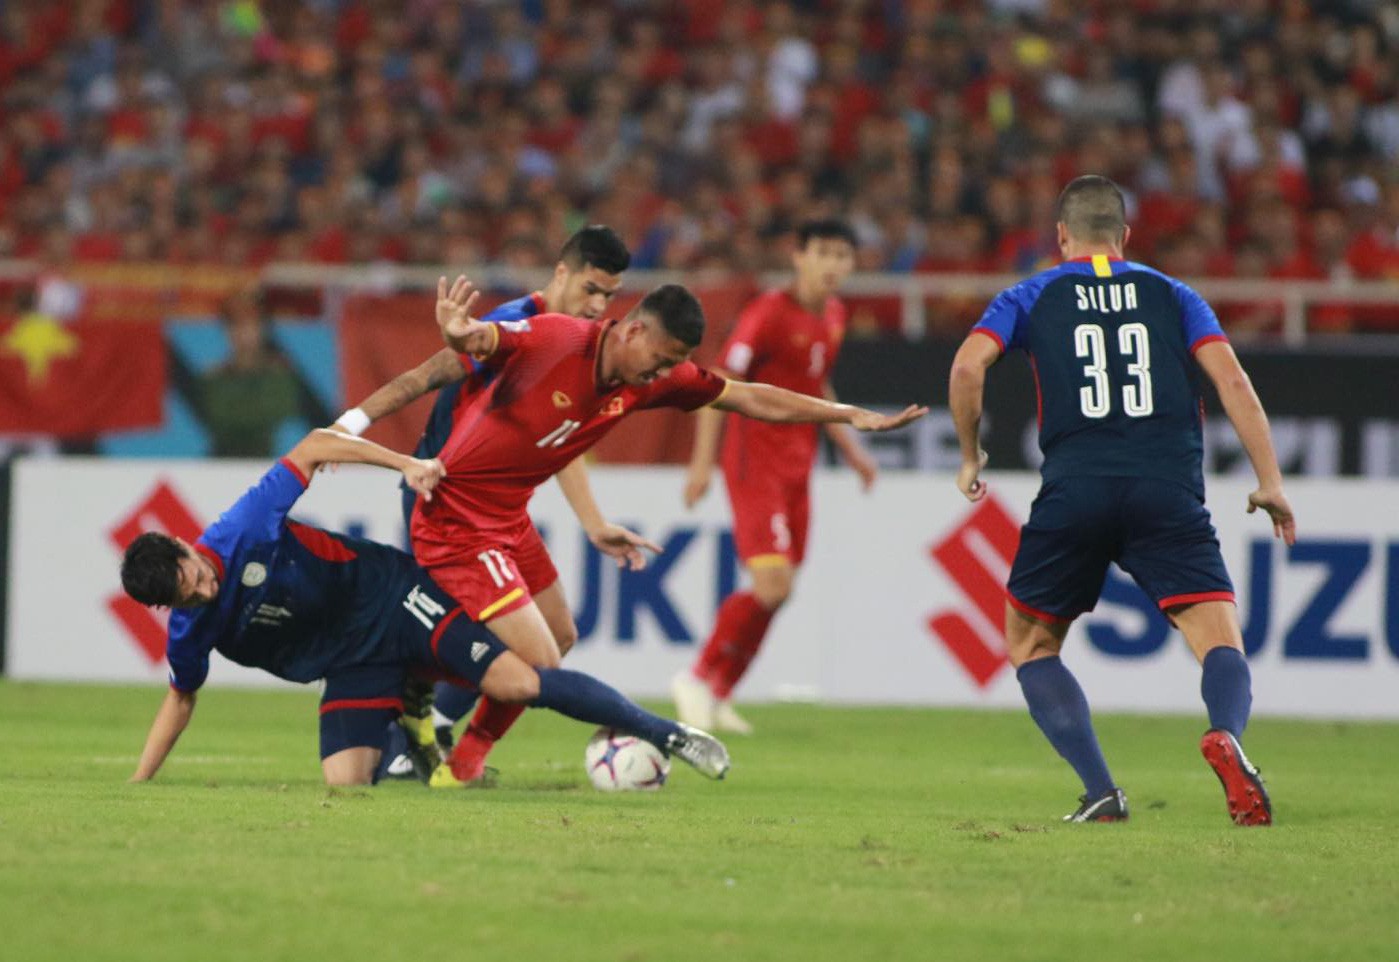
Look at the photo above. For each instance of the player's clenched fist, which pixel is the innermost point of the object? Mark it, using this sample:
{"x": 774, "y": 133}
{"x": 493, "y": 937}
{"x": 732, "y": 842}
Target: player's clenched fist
{"x": 422, "y": 475}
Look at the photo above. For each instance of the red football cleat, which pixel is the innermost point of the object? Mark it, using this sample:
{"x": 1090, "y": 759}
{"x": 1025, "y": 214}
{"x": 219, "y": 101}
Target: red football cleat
{"x": 1243, "y": 787}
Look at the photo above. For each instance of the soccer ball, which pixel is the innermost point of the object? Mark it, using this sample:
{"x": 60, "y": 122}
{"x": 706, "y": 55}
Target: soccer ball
{"x": 618, "y": 762}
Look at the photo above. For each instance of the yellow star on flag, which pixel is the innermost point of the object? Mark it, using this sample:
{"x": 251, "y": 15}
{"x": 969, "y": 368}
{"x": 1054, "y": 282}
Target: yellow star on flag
{"x": 37, "y": 340}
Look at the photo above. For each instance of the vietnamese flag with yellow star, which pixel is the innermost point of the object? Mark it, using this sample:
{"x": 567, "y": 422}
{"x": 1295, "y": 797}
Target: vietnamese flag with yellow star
{"x": 82, "y": 379}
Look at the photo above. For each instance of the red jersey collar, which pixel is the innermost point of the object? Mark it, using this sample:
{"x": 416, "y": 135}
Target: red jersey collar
{"x": 603, "y": 329}
{"x": 539, "y": 306}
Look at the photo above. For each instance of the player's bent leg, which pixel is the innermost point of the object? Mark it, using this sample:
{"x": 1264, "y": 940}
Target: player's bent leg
{"x": 1211, "y": 628}
{"x": 553, "y": 605}
{"x": 525, "y": 632}
{"x": 354, "y": 716}
{"x": 772, "y": 582}
{"x": 1058, "y": 706}
{"x": 351, "y": 766}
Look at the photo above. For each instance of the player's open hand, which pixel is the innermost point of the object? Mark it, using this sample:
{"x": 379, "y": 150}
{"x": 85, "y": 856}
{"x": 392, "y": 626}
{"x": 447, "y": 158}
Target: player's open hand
{"x": 696, "y": 487}
{"x": 969, "y": 477}
{"x": 422, "y": 476}
{"x": 1275, "y": 503}
{"x": 622, "y": 545}
{"x": 462, "y": 332}
{"x": 863, "y": 420}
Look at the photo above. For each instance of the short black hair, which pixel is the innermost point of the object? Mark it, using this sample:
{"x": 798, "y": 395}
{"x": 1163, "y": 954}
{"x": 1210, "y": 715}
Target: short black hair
{"x": 596, "y": 246}
{"x": 678, "y": 310}
{"x": 1093, "y": 209}
{"x": 825, "y": 230}
{"x": 150, "y": 568}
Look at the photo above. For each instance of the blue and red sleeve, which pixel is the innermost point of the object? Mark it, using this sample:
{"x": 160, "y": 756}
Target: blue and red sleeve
{"x": 1198, "y": 318}
{"x": 1003, "y": 319}
{"x": 258, "y": 515}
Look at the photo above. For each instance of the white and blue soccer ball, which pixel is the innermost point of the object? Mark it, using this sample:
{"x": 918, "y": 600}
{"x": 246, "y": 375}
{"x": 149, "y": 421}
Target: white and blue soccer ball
{"x": 618, "y": 762}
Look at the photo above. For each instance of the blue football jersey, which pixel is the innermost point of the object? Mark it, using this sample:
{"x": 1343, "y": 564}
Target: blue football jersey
{"x": 293, "y": 600}
{"x": 1111, "y": 344}
{"x": 439, "y": 422}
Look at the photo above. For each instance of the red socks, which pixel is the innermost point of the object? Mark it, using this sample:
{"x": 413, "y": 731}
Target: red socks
{"x": 738, "y": 633}
{"x": 491, "y": 721}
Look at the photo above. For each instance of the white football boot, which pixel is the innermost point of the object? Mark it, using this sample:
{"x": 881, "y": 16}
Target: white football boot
{"x": 728, "y": 720}
{"x": 694, "y": 702}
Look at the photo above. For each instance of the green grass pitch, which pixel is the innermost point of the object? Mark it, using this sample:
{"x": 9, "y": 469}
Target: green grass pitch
{"x": 840, "y": 834}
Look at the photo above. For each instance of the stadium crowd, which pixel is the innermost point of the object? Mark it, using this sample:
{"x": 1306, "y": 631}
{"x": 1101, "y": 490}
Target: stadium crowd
{"x": 1257, "y": 138}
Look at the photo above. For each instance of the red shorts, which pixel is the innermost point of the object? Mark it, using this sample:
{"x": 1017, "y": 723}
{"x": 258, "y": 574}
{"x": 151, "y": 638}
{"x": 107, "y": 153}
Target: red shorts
{"x": 505, "y": 575}
{"x": 771, "y": 516}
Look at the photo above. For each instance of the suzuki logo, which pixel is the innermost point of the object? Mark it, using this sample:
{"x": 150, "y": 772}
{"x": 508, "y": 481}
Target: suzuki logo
{"x": 162, "y": 510}
{"x": 977, "y": 557}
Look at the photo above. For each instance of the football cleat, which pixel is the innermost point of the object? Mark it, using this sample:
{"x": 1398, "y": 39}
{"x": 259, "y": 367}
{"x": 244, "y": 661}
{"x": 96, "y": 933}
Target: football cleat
{"x": 442, "y": 777}
{"x": 694, "y": 702}
{"x": 401, "y": 767}
{"x": 1244, "y": 793}
{"x": 1108, "y": 807}
{"x": 422, "y": 752}
{"x": 728, "y": 720}
{"x": 700, "y": 750}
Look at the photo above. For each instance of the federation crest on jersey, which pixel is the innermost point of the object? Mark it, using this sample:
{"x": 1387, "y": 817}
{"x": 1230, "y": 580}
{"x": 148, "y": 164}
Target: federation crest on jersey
{"x": 562, "y": 400}
{"x": 254, "y": 574}
{"x": 615, "y": 408}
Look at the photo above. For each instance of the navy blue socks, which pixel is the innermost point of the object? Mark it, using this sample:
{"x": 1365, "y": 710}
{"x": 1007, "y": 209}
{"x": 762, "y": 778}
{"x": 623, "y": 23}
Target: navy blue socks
{"x": 586, "y": 699}
{"x": 1226, "y": 687}
{"x": 454, "y": 701}
{"x": 1057, "y": 705}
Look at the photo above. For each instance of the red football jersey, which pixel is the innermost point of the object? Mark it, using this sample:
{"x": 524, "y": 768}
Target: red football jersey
{"x": 543, "y": 408}
{"x": 779, "y": 342}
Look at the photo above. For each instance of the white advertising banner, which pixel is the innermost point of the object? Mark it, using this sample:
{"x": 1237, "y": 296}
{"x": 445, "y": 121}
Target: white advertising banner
{"x": 899, "y": 602}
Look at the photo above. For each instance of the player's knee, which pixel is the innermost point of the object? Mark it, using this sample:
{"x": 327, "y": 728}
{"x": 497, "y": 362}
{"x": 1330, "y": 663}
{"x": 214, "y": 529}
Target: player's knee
{"x": 773, "y": 587}
{"x": 565, "y": 637}
{"x": 350, "y": 766}
{"x": 511, "y": 681}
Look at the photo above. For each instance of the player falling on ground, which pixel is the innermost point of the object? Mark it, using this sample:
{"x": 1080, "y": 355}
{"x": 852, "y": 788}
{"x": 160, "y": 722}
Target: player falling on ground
{"x": 790, "y": 338}
{"x": 305, "y": 604}
{"x": 561, "y": 383}
{"x": 585, "y": 280}
{"x": 1111, "y": 343}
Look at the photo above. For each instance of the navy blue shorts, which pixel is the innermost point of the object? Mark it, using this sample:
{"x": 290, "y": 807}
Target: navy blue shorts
{"x": 1159, "y": 532}
{"x": 358, "y": 703}
{"x": 436, "y": 640}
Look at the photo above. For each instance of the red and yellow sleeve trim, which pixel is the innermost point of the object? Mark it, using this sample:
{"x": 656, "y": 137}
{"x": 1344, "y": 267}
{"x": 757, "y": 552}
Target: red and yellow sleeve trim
{"x": 720, "y": 396}
{"x": 770, "y": 560}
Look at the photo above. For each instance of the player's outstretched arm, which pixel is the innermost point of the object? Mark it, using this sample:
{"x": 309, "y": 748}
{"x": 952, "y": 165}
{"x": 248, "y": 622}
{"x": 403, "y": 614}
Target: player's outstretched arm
{"x": 1250, "y": 421}
{"x": 437, "y": 371}
{"x": 461, "y": 331}
{"x": 965, "y": 386}
{"x": 767, "y": 403}
{"x": 620, "y": 544}
{"x": 170, "y": 722}
{"x": 323, "y": 446}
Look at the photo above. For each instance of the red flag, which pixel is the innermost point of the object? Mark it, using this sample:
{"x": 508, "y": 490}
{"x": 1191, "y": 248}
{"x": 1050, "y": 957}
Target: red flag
{"x": 78, "y": 380}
